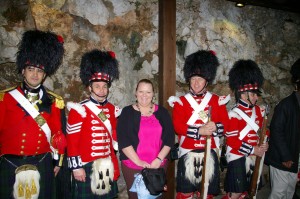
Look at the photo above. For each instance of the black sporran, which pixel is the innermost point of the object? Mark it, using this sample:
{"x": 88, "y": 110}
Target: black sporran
{"x": 155, "y": 180}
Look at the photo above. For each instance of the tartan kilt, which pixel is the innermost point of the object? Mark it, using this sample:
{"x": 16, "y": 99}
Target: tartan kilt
{"x": 63, "y": 181}
{"x": 45, "y": 168}
{"x": 185, "y": 186}
{"x": 82, "y": 190}
{"x": 236, "y": 179}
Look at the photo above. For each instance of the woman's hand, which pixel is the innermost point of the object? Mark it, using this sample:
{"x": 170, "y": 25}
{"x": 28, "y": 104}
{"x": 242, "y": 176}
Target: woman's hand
{"x": 79, "y": 174}
{"x": 143, "y": 164}
{"x": 155, "y": 163}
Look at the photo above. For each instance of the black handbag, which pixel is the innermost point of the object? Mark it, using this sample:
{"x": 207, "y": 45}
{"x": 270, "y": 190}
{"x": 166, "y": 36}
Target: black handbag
{"x": 154, "y": 179}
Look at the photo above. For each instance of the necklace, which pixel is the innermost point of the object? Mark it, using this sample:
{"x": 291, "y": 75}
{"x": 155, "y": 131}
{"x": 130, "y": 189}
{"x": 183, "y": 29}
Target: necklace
{"x": 149, "y": 112}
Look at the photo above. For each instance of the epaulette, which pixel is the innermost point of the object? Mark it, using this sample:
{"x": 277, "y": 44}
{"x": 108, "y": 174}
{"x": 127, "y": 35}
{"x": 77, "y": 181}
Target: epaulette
{"x": 223, "y": 100}
{"x": 59, "y": 102}
{"x": 77, "y": 107}
{"x": 2, "y": 92}
{"x": 233, "y": 114}
{"x": 84, "y": 101}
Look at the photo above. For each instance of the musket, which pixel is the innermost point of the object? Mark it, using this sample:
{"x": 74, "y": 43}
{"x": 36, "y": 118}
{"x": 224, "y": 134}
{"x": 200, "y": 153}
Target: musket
{"x": 204, "y": 181}
{"x": 259, "y": 160}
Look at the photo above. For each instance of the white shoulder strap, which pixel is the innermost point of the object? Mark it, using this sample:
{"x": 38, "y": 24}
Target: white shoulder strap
{"x": 197, "y": 107}
{"x": 100, "y": 114}
{"x": 32, "y": 112}
{"x": 250, "y": 122}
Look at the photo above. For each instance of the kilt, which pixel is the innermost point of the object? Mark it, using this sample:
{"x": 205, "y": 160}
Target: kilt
{"x": 82, "y": 190}
{"x": 45, "y": 168}
{"x": 185, "y": 186}
{"x": 63, "y": 181}
{"x": 236, "y": 179}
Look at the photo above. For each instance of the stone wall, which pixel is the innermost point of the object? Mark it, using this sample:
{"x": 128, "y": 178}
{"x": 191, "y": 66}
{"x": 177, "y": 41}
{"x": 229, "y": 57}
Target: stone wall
{"x": 130, "y": 29}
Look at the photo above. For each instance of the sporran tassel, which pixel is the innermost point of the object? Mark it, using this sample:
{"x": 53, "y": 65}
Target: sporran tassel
{"x": 20, "y": 190}
{"x": 27, "y": 192}
{"x": 33, "y": 187}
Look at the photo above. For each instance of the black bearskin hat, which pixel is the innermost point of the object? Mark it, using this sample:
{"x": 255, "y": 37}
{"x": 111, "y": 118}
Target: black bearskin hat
{"x": 295, "y": 71}
{"x": 245, "y": 75}
{"x": 201, "y": 63}
{"x": 40, "y": 49}
{"x": 98, "y": 65}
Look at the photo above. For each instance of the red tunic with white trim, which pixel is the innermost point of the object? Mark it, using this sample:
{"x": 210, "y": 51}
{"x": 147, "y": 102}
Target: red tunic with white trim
{"x": 87, "y": 136}
{"x": 236, "y": 124}
{"x": 182, "y": 113}
{"x": 19, "y": 132}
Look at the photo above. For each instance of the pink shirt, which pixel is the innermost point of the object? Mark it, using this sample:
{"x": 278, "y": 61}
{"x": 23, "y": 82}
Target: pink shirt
{"x": 149, "y": 140}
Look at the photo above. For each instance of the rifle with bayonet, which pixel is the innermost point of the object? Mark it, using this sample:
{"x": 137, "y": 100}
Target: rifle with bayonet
{"x": 259, "y": 160}
{"x": 204, "y": 181}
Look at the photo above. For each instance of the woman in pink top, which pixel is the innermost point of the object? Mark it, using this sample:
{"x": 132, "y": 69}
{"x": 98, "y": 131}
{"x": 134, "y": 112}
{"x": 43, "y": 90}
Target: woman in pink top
{"x": 145, "y": 134}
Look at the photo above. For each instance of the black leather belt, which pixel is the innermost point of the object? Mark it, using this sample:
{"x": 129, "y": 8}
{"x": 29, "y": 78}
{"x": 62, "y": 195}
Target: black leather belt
{"x": 10, "y": 156}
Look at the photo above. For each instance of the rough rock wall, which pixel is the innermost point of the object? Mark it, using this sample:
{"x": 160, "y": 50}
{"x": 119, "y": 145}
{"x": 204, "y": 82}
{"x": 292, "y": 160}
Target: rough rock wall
{"x": 130, "y": 29}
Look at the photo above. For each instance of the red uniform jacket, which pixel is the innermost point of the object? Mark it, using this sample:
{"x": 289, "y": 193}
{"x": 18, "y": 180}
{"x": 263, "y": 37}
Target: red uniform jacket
{"x": 19, "y": 132}
{"x": 88, "y": 138}
{"x": 245, "y": 146}
{"x": 182, "y": 113}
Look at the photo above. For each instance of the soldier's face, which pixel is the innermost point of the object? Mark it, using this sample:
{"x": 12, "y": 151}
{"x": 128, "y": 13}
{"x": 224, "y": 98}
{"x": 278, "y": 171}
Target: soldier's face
{"x": 33, "y": 76}
{"x": 197, "y": 84}
{"x": 99, "y": 90}
{"x": 249, "y": 97}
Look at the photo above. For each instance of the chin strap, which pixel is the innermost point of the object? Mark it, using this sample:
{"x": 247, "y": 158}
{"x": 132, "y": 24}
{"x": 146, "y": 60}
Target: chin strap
{"x": 248, "y": 98}
{"x": 201, "y": 92}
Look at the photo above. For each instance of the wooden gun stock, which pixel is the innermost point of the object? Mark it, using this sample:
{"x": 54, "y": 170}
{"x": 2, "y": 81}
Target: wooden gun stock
{"x": 258, "y": 161}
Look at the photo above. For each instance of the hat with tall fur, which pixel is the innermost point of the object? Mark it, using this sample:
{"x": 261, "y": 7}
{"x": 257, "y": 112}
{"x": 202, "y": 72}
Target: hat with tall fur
{"x": 201, "y": 63}
{"x": 98, "y": 65}
{"x": 40, "y": 49}
{"x": 295, "y": 71}
{"x": 245, "y": 75}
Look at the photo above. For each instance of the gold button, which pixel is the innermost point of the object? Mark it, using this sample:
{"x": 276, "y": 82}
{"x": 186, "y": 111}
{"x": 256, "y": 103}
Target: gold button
{"x": 24, "y": 134}
{"x": 23, "y": 141}
{"x": 38, "y": 148}
{"x": 40, "y": 129}
{"x": 22, "y": 152}
{"x": 36, "y": 152}
{"x": 22, "y": 147}
{"x": 39, "y": 141}
{"x": 40, "y": 135}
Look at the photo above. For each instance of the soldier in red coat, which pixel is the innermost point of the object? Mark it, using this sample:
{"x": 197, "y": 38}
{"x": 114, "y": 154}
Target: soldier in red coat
{"x": 196, "y": 115}
{"x": 91, "y": 129}
{"x": 246, "y": 118}
{"x": 31, "y": 118}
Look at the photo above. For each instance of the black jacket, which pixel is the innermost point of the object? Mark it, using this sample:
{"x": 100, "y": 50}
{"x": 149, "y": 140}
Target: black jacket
{"x": 285, "y": 134}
